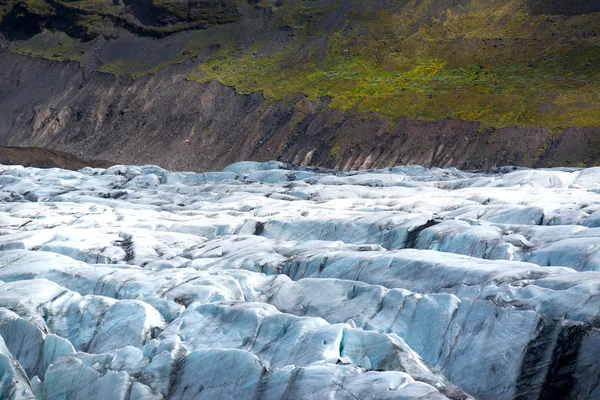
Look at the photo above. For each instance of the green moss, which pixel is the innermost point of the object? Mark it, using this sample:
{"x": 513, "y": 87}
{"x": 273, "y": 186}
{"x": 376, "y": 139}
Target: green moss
{"x": 135, "y": 66}
{"x": 490, "y": 62}
{"x": 36, "y": 7}
{"x": 484, "y": 61}
{"x": 588, "y": 59}
{"x": 118, "y": 68}
{"x": 298, "y": 115}
{"x": 6, "y": 7}
{"x": 335, "y": 150}
{"x": 549, "y": 95}
{"x": 174, "y": 7}
{"x": 56, "y": 47}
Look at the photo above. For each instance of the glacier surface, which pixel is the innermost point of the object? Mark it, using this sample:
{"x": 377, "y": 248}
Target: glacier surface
{"x": 271, "y": 281}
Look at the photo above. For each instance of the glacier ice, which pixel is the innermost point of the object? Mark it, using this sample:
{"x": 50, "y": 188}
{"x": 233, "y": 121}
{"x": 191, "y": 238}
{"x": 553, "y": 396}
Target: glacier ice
{"x": 273, "y": 281}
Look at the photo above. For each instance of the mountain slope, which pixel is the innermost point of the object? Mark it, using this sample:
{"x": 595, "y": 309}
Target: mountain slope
{"x": 363, "y": 69}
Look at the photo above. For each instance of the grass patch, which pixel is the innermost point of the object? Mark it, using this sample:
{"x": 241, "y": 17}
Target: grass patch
{"x": 56, "y": 47}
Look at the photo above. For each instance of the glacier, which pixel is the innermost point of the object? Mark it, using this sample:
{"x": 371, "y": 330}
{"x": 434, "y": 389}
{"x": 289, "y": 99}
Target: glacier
{"x": 273, "y": 281}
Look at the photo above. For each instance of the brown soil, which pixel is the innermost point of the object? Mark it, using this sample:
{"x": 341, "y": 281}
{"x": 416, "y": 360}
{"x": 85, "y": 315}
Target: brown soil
{"x": 45, "y": 158}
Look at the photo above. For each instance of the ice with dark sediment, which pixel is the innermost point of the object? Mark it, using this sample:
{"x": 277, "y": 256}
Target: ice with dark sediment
{"x": 273, "y": 281}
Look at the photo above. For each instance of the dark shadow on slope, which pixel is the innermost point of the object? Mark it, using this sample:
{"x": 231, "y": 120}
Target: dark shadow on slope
{"x": 562, "y": 7}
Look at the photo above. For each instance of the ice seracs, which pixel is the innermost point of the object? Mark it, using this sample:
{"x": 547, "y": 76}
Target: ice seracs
{"x": 273, "y": 281}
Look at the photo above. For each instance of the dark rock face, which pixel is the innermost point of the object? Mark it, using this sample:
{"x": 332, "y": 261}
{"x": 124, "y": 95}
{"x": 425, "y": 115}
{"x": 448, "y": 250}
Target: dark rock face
{"x": 558, "y": 7}
{"x": 87, "y": 20}
{"x": 167, "y": 120}
{"x": 169, "y": 12}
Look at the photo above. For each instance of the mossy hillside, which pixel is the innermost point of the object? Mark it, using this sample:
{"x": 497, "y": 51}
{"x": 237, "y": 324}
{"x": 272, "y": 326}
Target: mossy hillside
{"x": 36, "y": 7}
{"x": 482, "y": 61}
{"x": 6, "y": 7}
{"x": 142, "y": 56}
{"x": 177, "y": 10}
{"x": 89, "y": 20}
{"x": 487, "y": 61}
{"x": 54, "y": 46}
{"x": 431, "y": 90}
{"x": 128, "y": 55}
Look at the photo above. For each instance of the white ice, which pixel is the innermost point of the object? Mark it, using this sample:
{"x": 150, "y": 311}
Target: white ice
{"x": 272, "y": 281}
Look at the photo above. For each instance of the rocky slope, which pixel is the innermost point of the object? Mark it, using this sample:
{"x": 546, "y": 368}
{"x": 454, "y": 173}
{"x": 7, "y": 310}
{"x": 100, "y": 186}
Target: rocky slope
{"x": 44, "y": 158}
{"x": 198, "y": 85}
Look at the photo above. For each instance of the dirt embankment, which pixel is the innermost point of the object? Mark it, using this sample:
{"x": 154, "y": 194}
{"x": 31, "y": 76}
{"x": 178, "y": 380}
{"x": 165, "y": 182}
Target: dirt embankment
{"x": 167, "y": 120}
{"x": 45, "y": 158}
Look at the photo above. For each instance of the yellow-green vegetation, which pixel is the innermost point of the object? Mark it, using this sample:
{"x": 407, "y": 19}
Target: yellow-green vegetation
{"x": 176, "y": 8}
{"x": 481, "y": 61}
{"x": 5, "y": 8}
{"x": 180, "y": 50}
{"x": 56, "y": 47}
{"x": 132, "y": 70}
{"x": 115, "y": 68}
{"x": 37, "y": 7}
{"x": 89, "y": 6}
